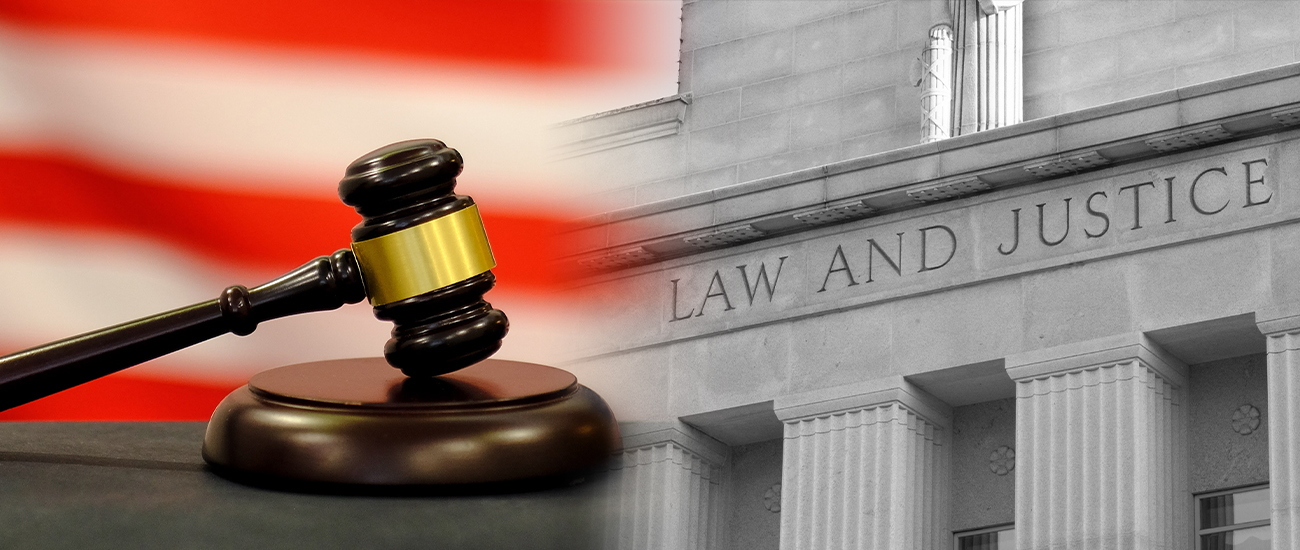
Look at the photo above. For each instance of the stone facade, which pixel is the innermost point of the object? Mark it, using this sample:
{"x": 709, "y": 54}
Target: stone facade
{"x": 784, "y": 85}
{"x": 1074, "y": 325}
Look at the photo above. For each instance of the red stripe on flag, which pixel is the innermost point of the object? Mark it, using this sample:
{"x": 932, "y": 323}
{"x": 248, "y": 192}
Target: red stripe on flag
{"x": 268, "y": 232}
{"x": 544, "y": 33}
{"x": 123, "y": 396}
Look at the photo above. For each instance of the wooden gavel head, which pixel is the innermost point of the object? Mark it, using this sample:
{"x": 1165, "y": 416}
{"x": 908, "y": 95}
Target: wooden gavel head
{"x": 424, "y": 257}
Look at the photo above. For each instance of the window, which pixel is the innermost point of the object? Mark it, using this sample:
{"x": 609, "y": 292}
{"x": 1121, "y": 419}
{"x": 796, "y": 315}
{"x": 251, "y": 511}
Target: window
{"x": 1234, "y": 520}
{"x": 991, "y": 538}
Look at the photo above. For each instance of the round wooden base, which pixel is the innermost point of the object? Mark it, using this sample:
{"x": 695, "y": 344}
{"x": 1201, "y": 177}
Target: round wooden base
{"x": 362, "y": 422}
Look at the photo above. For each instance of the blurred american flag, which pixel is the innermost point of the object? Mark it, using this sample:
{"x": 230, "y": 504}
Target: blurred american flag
{"x": 153, "y": 152}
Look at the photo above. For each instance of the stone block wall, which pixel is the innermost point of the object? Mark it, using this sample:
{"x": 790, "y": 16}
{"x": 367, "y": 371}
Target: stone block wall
{"x": 777, "y": 86}
{"x": 755, "y": 516}
{"x": 1229, "y": 447}
{"x": 798, "y": 83}
{"x": 1084, "y": 53}
{"x": 983, "y": 465}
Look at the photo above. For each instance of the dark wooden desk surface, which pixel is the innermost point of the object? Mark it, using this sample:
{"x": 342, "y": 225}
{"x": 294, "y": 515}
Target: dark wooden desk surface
{"x": 143, "y": 485}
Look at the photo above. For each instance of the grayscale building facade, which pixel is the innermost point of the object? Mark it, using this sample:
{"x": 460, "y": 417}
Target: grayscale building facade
{"x": 926, "y": 274}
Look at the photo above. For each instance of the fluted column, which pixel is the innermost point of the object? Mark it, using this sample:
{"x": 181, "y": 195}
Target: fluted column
{"x": 1101, "y": 447}
{"x": 989, "y": 61}
{"x": 667, "y": 491}
{"x": 867, "y": 470}
{"x": 1281, "y": 327}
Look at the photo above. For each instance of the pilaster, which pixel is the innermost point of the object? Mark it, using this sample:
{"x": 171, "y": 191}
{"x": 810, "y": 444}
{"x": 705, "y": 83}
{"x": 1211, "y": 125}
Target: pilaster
{"x": 667, "y": 489}
{"x": 1101, "y": 446}
{"x": 1281, "y": 327}
{"x": 864, "y": 467}
{"x": 990, "y": 60}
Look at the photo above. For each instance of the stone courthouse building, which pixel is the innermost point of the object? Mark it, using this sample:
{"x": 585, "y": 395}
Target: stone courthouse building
{"x": 929, "y": 274}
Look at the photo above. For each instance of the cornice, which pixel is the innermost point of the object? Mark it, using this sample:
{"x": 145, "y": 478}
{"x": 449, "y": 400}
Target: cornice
{"x": 1029, "y": 153}
{"x": 863, "y": 395}
{"x": 622, "y": 127}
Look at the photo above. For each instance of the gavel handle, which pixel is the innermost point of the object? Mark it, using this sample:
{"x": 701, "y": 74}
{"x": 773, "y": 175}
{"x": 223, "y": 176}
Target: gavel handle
{"x": 322, "y": 284}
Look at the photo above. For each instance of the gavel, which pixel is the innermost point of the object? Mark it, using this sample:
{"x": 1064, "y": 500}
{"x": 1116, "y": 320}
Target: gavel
{"x": 420, "y": 255}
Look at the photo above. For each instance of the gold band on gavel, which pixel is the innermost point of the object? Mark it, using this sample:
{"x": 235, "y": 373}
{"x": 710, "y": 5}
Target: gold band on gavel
{"x": 424, "y": 257}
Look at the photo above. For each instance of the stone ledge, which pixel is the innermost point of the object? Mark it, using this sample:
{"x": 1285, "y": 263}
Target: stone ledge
{"x": 633, "y": 124}
{"x": 1039, "y": 150}
{"x": 1279, "y": 319}
{"x": 741, "y": 425}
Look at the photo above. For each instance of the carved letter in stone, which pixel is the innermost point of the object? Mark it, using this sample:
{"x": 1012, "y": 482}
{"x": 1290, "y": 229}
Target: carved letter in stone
{"x": 1192, "y": 192}
{"x": 677, "y": 317}
{"x": 1251, "y": 182}
{"x": 1169, "y": 198}
{"x": 874, "y": 249}
{"x": 1015, "y": 232}
{"x": 762, "y": 277}
{"x": 1097, "y": 214}
{"x": 952, "y": 240}
{"x": 839, "y": 255}
{"x": 722, "y": 291}
{"x": 1137, "y": 200}
{"x": 1042, "y": 233}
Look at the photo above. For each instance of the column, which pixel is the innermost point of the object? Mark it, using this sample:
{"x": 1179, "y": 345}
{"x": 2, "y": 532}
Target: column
{"x": 936, "y": 85}
{"x": 1101, "y": 457}
{"x": 989, "y": 59}
{"x": 1281, "y": 328}
{"x": 667, "y": 489}
{"x": 864, "y": 467}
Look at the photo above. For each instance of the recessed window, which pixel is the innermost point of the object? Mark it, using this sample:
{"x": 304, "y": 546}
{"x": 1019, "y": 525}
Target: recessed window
{"x": 1002, "y": 537}
{"x": 1234, "y": 520}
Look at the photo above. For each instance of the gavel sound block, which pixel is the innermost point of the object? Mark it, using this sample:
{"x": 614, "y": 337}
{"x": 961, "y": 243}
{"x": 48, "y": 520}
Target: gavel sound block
{"x": 446, "y": 416}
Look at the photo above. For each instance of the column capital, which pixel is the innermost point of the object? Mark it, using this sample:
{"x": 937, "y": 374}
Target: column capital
{"x": 864, "y": 395}
{"x": 990, "y": 7}
{"x": 641, "y": 435}
{"x": 1110, "y": 350}
{"x": 1278, "y": 319}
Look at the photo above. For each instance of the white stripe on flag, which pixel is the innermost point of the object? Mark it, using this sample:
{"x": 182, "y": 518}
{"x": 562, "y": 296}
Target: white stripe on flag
{"x": 245, "y": 117}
